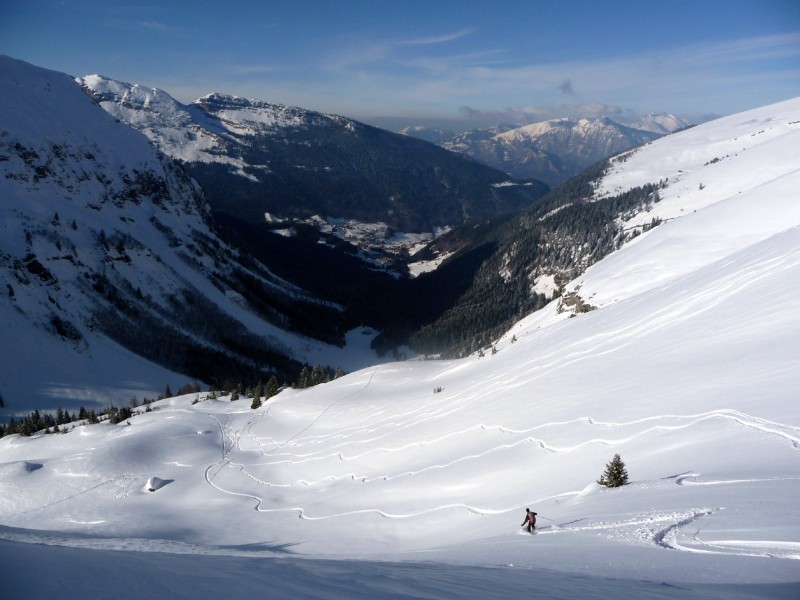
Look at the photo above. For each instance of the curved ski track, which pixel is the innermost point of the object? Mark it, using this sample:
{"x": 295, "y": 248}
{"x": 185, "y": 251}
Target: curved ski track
{"x": 343, "y": 445}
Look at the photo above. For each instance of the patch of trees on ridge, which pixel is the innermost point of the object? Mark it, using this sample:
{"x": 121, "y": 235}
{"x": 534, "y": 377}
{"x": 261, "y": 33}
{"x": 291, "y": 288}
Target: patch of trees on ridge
{"x": 59, "y": 422}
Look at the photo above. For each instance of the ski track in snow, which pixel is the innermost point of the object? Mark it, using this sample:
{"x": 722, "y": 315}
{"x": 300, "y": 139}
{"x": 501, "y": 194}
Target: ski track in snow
{"x": 663, "y": 530}
{"x": 682, "y": 480}
{"x": 787, "y": 432}
{"x": 232, "y": 451}
{"x": 670, "y": 538}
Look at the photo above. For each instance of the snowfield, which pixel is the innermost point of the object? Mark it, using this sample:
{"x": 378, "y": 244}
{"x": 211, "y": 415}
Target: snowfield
{"x": 411, "y": 479}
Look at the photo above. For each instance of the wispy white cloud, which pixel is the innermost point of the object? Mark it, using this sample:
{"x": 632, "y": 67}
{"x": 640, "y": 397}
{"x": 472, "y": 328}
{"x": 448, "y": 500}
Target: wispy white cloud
{"x": 438, "y": 39}
{"x": 255, "y": 69}
{"x": 153, "y": 25}
{"x": 384, "y": 53}
{"x": 523, "y": 115}
{"x": 454, "y": 62}
{"x": 786, "y": 45}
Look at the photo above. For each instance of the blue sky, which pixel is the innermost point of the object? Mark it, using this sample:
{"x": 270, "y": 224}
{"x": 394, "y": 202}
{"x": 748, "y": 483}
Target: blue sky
{"x": 430, "y": 61}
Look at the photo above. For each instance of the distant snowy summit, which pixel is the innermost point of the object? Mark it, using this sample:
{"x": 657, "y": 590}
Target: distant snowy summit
{"x": 661, "y": 123}
{"x": 554, "y": 150}
{"x": 434, "y": 135}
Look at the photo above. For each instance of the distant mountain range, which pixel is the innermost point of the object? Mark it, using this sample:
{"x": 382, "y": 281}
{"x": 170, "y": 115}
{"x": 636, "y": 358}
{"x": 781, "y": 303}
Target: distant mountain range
{"x": 434, "y": 135}
{"x": 661, "y": 123}
{"x": 253, "y": 158}
{"x": 551, "y": 151}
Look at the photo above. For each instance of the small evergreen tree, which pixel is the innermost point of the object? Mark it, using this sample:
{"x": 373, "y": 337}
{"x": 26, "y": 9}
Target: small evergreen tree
{"x": 305, "y": 378}
{"x": 272, "y": 386}
{"x": 317, "y": 376}
{"x": 615, "y": 474}
{"x": 49, "y": 421}
{"x": 256, "y": 403}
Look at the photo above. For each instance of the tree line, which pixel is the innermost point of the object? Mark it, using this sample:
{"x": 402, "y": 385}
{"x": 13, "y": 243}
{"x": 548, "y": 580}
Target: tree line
{"x": 59, "y": 421}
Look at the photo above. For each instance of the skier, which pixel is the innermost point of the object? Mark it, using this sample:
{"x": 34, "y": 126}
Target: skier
{"x": 530, "y": 520}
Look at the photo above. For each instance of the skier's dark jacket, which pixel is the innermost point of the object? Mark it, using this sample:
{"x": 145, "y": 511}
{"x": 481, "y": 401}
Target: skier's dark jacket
{"x": 530, "y": 517}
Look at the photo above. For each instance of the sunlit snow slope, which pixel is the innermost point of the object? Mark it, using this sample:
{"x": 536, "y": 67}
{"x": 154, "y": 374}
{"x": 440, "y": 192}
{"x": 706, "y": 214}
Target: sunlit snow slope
{"x": 727, "y": 185}
{"x": 689, "y": 369}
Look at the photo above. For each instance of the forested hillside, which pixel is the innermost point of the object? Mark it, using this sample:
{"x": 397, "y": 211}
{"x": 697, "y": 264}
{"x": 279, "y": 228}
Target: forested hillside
{"x": 522, "y": 263}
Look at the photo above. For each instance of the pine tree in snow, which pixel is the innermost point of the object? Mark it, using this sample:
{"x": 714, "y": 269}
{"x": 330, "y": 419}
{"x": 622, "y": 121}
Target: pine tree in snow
{"x": 615, "y": 474}
{"x": 272, "y": 386}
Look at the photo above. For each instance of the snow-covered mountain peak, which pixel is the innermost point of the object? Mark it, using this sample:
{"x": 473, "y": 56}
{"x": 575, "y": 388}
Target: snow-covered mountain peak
{"x": 219, "y": 101}
{"x": 242, "y": 116}
{"x": 661, "y": 123}
{"x": 535, "y": 129}
{"x": 550, "y": 150}
{"x": 211, "y": 129}
{"x": 135, "y": 96}
{"x": 186, "y": 133}
{"x": 562, "y": 126}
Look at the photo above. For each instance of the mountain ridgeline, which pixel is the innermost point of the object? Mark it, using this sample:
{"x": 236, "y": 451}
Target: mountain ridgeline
{"x": 253, "y": 157}
{"x": 555, "y": 150}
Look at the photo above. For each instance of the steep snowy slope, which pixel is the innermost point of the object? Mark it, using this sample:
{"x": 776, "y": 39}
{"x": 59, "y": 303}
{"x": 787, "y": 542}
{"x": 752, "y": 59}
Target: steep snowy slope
{"x": 692, "y": 379}
{"x": 736, "y": 177}
{"x": 111, "y": 279}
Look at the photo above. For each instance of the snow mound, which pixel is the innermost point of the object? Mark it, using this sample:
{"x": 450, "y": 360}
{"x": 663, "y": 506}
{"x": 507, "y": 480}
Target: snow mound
{"x": 156, "y": 483}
